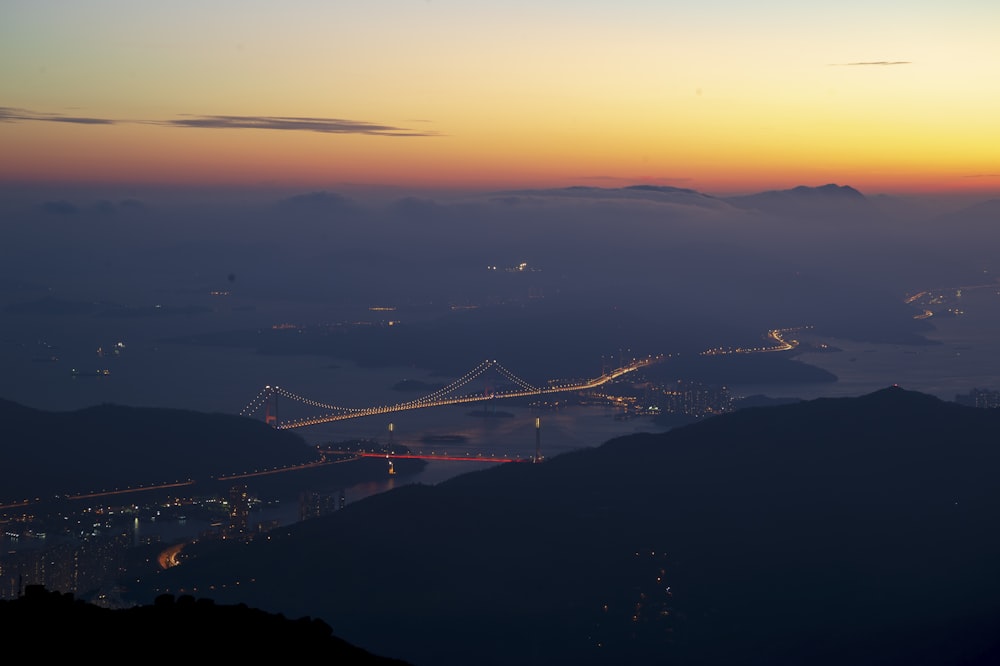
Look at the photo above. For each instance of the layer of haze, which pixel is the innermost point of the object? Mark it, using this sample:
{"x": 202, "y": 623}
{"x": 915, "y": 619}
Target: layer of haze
{"x": 549, "y": 281}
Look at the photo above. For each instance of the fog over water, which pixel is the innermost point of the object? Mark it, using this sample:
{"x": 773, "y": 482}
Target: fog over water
{"x": 199, "y": 303}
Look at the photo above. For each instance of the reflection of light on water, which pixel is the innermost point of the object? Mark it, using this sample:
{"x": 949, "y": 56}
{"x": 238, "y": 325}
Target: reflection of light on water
{"x": 564, "y": 430}
{"x": 369, "y": 488}
{"x": 967, "y": 357}
{"x": 561, "y": 431}
{"x": 442, "y": 470}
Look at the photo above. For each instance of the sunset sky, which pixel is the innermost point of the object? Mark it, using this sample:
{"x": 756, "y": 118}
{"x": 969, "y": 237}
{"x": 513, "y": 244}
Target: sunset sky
{"x": 724, "y": 97}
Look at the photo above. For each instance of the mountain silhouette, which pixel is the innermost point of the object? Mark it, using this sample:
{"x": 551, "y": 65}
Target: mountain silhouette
{"x": 60, "y": 625}
{"x": 652, "y": 193}
{"x": 828, "y": 202}
{"x": 830, "y": 531}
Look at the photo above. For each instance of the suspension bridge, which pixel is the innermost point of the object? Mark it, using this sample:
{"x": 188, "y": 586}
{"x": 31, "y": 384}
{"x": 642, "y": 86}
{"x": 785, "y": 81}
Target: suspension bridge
{"x": 454, "y": 393}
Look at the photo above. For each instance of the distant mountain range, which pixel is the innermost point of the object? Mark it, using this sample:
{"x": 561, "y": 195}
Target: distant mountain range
{"x": 829, "y": 202}
{"x": 823, "y": 193}
{"x": 826, "y": 532}
{"x": 983, "y": 213}
{"x": 648, "y": 191}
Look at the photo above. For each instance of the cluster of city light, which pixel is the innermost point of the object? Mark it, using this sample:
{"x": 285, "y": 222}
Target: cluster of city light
{"x": 775, "y": 334}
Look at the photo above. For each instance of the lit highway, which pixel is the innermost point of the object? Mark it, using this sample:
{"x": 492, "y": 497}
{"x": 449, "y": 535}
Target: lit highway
{"x": 441, "y": 397}
{"x": 776, "y": 337}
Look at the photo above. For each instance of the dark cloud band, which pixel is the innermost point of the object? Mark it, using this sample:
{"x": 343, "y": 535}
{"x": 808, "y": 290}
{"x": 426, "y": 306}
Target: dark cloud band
{"x": 876, "y": 63}
{"x": 285, "y": 123}
{"x": 9, "y": 114}
{"x": 324, "y": 125}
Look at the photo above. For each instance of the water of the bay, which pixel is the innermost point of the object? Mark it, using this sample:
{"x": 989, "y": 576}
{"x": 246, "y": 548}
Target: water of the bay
{"x": 147, "y": 371}
{"x": 518, "y": 433}
{"x": 964, "y": 354}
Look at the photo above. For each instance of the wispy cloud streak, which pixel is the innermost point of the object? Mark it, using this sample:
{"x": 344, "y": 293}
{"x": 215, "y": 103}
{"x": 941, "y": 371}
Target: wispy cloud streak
{"x": 286, "y": 123}
{"x": 10, "y": 114}
{"x": 875, "y": 63}
{"x": 283, "y": 123}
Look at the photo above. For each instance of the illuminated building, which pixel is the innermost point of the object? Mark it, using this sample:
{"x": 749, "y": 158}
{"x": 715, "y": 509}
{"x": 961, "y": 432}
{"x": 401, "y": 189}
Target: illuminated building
{"x": 239, "y": 510}
{"x": 981, "y": 398}
{"x": 314, "y": 504}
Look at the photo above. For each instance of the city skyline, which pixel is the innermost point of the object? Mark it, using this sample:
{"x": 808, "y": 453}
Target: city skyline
{"x": 720, "y": 97}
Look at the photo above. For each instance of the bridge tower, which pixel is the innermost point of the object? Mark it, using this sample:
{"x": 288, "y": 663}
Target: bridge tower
{"x": 489, "y": 393}
{"x": 538, "y": 439}
{"x": 271, "y": 410}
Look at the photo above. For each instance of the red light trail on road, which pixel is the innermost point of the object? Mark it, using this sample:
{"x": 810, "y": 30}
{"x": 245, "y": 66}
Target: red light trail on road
{"x": 442, "y": 457}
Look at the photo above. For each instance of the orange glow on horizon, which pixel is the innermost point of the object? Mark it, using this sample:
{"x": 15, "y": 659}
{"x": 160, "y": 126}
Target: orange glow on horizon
{"x": 156, "y": 155}
{"x": 469, "y": 96}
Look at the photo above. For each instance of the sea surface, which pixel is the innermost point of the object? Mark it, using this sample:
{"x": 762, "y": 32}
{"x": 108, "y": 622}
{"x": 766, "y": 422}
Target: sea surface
{"x": 143, "y": 370}
{"x": 965, "y": 354}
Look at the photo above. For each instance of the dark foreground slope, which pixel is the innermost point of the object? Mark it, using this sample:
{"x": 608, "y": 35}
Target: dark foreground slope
{"x": 835, "y": 531}
{"x": 57, "y": 626}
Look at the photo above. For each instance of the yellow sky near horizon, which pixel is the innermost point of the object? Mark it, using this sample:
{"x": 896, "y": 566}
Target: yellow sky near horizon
{"x": 722, "y": 97}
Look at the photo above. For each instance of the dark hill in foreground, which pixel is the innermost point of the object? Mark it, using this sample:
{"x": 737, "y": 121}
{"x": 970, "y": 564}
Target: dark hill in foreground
{"x": 60, "y": 627}
{"x": 110, "y": 446}
{"x": 835, "y": 531}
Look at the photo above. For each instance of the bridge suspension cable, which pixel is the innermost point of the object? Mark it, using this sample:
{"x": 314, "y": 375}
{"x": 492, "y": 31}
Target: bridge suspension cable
{"x": 457, "y": 384}
{"x": 267, "y": 392}
{"x": 443, "y": 396}
{"x": 510, "y": 376}
{"x": 313, "y": 403}
{"x": 254, "y": 405}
